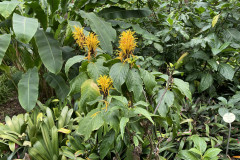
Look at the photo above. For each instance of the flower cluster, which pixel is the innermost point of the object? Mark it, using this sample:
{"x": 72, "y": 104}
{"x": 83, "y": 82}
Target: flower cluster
{"x": 90, "y": 42}
{"x": 105, "y": 84}
{"x": 79, "y": 36}
{"x": 127, "y": 44}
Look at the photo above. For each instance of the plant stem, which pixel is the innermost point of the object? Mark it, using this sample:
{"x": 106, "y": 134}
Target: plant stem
{"x": 229, "y": 134}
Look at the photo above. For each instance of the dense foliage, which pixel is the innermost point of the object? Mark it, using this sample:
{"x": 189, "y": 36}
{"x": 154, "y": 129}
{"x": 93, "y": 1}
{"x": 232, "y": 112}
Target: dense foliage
{"x": 119, "y": 79}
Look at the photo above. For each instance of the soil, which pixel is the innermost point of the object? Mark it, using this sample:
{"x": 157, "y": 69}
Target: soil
{"x": 10, "y": 108}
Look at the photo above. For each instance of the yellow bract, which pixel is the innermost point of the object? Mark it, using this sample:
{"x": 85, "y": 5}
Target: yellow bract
{"x": 91, "y": 43}
{"x": 105, "y": 84}
{"x": 127, "y": 44}
{"x": 79, "y": 36}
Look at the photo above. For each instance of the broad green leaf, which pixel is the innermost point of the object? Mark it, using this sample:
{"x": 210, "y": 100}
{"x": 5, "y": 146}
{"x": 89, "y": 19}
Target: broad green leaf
{"x": 158, "y": 47}
{"x": 134, "y": 83}
{"x": 166, "y": 102}
{"x": 123, "y": 123}
{"x": 58, "y": 83}
{"x": 226, "y": 71}
{"x": 72, "y": 61}
{"x": 195, "y": 151}
{"x": 76, "y": 83}
{"x": 215, "y": 20}
{"x": 118, "y": 73}
{"x": 24, "y": 28}
{"x": 144, "y": 112}
{"x": 54, "y": 4}
{"x": 200, "y": 55}
{"x": 222, "y": 111}
{"x": 122, "y": 99}
{"x": 212, "y": 152}
{"x": 215, "y": 51}
{"x": 89, "y": 92}
{"x": 28, "y": 89}
{"x": 95, "y": 70}
{"x": 231, "y": 34}
{"x": 74, "y": 23}
{"x": 114, "y": 12}
{"x": 5, "y": 40}
{"x": 148, "y": 80}
{"x": 183, "y": 87}
{"x": 206, "y": 82}
{"x": 49, "y": 51}
{"x": 187, "y": 155}
{"x": 106, "y": 34}
{"x": 91, "y": 122}
{"x": 106, "y": 143}
{"x": 213, "y": 64}
{"x": 7, "y": 7}
{"x": 40, "y": 14}
{"x": 199, "y": 143}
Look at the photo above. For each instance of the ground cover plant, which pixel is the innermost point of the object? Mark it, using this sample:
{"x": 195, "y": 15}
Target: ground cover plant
{"x": 119, "y": 79}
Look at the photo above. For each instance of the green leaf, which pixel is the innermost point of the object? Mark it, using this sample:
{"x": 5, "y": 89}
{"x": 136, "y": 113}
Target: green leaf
{"x": 40, "y": 14}
{"x": 89, "y": 92}
{"x": 226, "y": 71}
{"x": 134, "y": 83}
{"x": 107, "y": 142}
{"x": 222, "y": 111}
{"x": 158, "y": 47}
{"x": 58, "y": 83}
{"x": 54, "y": 4}
{"x": 28, "y": 89}
{"x": 7, "y": 7}
{"x": 206, "y": 82}
{"x": 49, "y": 51}
{"x": 135, "y": 141}
{"x": 187, "y": 155}
{"x": 114, "y": 12}
{"x": 123, "y": 123}
{"x": 231, "y": 33}
{"x": 183, "y": 87}
{"x": 167, "y": 101}
{"x": 213, "y": 64}
{"x": 215, "y": 51}
{"x": 72, "y": 61}
{"x": 215, "y": 19}
{"x": 24, "y": 28}
{"x": 148, "y": 80}
{"x": 5, "y": 40}
{"x": 91, "y": 122}
{"x": 144, "y": 112}
{"x": 199, "y": 143}
{"x": 212, "y": 152}
{"x": 118, "y": 73}
{"x": 76, "y": 83}
{"x": 195, "y": 151}
{"x": 95, "y": 70}
{"x": 74, "y": 23}
{"x": 106, "y": 34}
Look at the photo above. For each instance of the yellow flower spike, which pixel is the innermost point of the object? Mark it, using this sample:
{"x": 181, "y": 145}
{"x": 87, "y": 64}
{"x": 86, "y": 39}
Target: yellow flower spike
{"x": 127, "y": 44}
{"x": 95, "y": 114}
{"x": 91, "y": 43}
{"x": 105, "y": 84}
{"x": 79, "y": 36}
